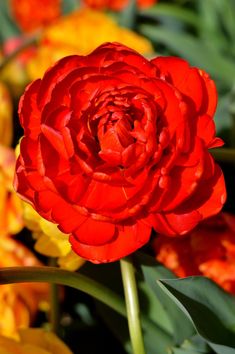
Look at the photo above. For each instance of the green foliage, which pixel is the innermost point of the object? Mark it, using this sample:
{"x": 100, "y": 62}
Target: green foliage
{"x": 152, "y": 272}
{"x": 69, "y": 6}
{"x": 211, "y": 310}
{"x": 8, "y": 27}
{"x": 203, "y": 32}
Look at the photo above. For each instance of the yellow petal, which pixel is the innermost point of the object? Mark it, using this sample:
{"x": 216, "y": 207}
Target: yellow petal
{"x": 51, "y": 229}
{"x": 51, "y": 246}
{"x": 71, "y": 261}
{"x": 31, "y": 217}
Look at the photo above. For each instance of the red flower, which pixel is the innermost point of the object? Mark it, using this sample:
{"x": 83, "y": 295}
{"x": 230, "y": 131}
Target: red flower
{"x": 115, "y": 145}
{"x": 208, "y": 250}
{"x": 117, "y": 5}
{"x": 33, "y": 14}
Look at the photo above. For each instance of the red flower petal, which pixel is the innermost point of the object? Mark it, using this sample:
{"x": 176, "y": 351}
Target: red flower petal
{"x": 110, "y": 53}
{"x": 65, "y": 216}
{"x": 212, "y": 194}
{"x": 28, "y": 108}
{"x": 184, "y": 78}
{"x": 210, "y": 96}
{"x": 206, "y": 131}
{"x": 57, "y": 73}
{"x": 95, "y": 232}
{"x": 127, "y": 240}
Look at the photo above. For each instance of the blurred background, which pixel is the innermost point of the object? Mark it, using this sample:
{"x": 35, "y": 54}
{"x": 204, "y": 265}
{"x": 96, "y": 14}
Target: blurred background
{"x": 33, "y": 35}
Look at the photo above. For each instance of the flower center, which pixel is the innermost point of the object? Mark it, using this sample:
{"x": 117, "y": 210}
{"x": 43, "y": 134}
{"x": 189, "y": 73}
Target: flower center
{"x": 121, "y": 124}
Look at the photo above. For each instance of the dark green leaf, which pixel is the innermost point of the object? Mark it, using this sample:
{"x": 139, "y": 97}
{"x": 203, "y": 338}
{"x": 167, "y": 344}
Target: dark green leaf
{"x": 172, "y": 11}
{"x": 157, "y": 340}
{"x": 116, "y": 323}
{"x": 196, "y": 343}
{"x": 156, "y": 337}
{"x": 153, "y": 309}
{"x": 210, "y": 308}
{"x": 127, "y": 17}
{"x": 153, "y": 271}
{"x": 222, "y": 349}
{"x": 69, "y": 6}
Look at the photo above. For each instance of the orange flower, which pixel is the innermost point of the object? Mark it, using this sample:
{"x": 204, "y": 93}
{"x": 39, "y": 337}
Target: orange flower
{"x": 116, "y": 5}
{"x": 33, "y": 14}
{"x": 61, "y": 39}
{"x": 18, "y": 302}
{"x": 6, "y": 108}
{"x": 11, "y": 212}
{"x": 208, "y": 250}
{"x": 34, "y": 340}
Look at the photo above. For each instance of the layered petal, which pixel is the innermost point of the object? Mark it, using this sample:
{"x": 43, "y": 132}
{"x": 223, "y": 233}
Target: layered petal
{"x": 128, "y": 239}
{"x": 116, "y": 145}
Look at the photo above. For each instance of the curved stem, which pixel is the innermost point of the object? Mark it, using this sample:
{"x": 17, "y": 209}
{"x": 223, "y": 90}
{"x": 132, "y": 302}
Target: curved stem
{"x": 77, "y": 281}
{"x": 132, "y": 305}
{"x": 59, "y": 276}
{"x": 224, "y": 154}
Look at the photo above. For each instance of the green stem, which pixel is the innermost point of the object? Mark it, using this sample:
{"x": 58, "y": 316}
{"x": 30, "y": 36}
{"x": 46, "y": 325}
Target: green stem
{"x": 59, "y": 276}
{"x": 224, "y": 154}
{"x": 75, "y": 280}
{"x": 54, "y": 302}
{"x": 132, "y": 305}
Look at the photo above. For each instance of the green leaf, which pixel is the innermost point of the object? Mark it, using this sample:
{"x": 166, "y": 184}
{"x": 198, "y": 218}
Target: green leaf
{"x": 223, "y": 119}
{"x": 152, "y": 271}
{"x": 196, "y": 342}
{"x": 127, "y": 17}
{"x": 170, "y": 10}
{"x": 222, "y": 349}
{"x": 210, "y": 308}
{"x": 8, "y": 27}
{"x": 194, "y": 50}
{"x": 156, "y": 336}
{"x": 153, "y": 309}
{"x": 226, "y": 13}
{"x": 156, "y": 340}
{"x": 210, "y": 27}
{"x": 184, "y": 351}
{"x": 69, "y": 6}
{"x": 116, "y": 323}
{"x": 194, "y": 345}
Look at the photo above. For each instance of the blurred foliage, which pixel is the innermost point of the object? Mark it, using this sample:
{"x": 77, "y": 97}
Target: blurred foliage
{"x": 189, "y": 316}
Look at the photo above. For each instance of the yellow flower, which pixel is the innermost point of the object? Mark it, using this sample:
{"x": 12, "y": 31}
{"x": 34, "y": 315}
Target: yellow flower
{"x": 14, "y": 75}
{"x": 18, "y": 302}
{"x": 33, "y": 341}
{"x": 11, "y": 211}
{"x": 80, "y": 33}
{"x": 6, "y": 108}
{"x": 50, "y": 241}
